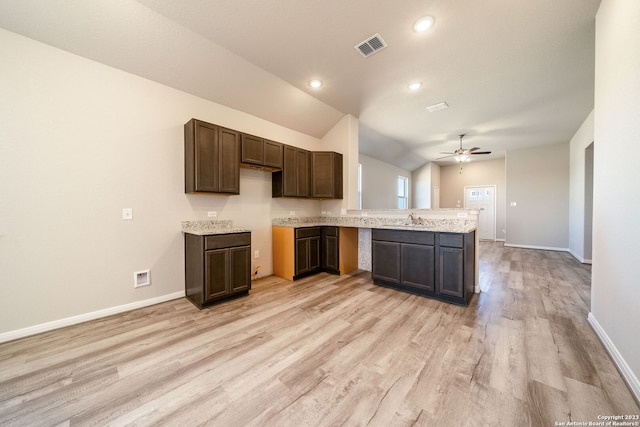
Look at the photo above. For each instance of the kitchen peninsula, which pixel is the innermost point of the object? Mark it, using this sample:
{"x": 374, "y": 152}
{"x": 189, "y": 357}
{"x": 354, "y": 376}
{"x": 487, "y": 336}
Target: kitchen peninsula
{"x": 431, "y": 252}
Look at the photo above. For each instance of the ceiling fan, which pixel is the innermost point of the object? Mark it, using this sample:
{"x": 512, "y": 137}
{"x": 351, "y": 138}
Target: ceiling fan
{"x": 462, "y": 155}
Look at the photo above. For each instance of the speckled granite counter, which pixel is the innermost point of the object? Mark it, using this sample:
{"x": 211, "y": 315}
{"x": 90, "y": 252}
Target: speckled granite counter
{"x": 424, "y": 224}
{"x": 210, "y": 227}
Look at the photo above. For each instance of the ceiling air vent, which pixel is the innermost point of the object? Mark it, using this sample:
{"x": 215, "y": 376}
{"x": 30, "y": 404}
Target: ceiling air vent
{"x": 371, "y": 45}
{"x": 436, "y": 107}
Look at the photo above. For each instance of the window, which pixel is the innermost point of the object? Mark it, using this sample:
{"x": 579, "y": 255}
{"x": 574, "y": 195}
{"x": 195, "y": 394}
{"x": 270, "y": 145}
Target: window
{"x": 359, "y": 186}
{"x": 403, "y": 192}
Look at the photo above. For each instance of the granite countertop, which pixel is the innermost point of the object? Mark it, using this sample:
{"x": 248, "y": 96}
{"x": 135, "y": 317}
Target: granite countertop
{"x": 389, "y": 223}
{"x": 211, "y": 227}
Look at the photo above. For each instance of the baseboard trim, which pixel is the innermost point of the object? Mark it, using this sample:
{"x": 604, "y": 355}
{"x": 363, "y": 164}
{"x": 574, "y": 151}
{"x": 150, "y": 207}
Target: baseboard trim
{"x": 74, "y": 320}
{"x": 500, "y": 240}
{"x": 543, "y": 248}
{"x": 627, "y": 374}
{"x": 579, "y": 258}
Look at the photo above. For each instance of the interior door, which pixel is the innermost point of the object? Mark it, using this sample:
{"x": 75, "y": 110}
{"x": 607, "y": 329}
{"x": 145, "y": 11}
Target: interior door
{"x": 483, "y": 198}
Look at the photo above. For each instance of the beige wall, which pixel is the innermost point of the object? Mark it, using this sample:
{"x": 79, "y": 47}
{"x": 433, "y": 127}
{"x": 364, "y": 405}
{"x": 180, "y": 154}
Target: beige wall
{"x": 80, "y": 141}
{"x": 538, "y": 182}
{"x": 615, "y": 291}
{"x": 380, "y": 183}
{"x": 475, "y": 173}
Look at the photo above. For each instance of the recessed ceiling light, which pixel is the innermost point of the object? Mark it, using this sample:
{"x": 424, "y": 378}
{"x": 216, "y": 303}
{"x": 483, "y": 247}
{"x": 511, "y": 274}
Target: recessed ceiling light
{"x": 423, "y": 24}
{"x": 415, "y": 86}
{"x": 315, "y": 83}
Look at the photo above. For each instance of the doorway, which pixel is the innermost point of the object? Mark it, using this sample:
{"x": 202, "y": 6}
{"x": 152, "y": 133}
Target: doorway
{"x": 483, "y": 198}
{"x": 588, "y": 203}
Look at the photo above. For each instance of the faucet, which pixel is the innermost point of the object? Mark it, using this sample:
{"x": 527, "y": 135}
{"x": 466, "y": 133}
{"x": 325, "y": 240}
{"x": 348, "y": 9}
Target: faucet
{"x": 413, "y": 218}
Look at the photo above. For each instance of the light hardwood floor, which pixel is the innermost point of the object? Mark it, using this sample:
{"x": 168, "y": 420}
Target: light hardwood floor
{"x": 329, "y": 350}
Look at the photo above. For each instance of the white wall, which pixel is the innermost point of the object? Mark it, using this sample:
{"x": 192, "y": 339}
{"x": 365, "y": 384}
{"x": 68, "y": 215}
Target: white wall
{"x": 334, "y": 140}
{"x": 615, "y": 291}
{"x": 486, "y": 172}
{"x": 538, "y": 182}
{"x": 79, "y": 141}
{"x": 424, "y": 180}
{"x": 577, "y": 195}
{"x": 380, "y": 183}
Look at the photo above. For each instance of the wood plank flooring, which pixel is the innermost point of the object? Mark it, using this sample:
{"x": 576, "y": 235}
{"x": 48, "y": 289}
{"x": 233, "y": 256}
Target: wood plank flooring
{"x": 327, "y": 351}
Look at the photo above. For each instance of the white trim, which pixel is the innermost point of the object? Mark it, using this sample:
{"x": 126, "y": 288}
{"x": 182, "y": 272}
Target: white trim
{"x": 579, "y": 258}
{"x": 544, "y": 248}
{"x": 627, "y": 374}
{"x": 74, "y": 320}
{"x": 501, "y": 240}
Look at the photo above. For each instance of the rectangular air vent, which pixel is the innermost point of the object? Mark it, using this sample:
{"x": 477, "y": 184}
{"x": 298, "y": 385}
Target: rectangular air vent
{"x": 439, "y": 106}
{"x": 370, "y": 46}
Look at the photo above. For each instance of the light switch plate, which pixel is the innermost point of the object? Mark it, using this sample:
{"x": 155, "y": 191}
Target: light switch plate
{"x": 127, "y": 213}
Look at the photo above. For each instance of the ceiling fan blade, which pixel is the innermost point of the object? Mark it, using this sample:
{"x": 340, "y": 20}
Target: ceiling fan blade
{"x": 445, "y": 157}
{"x": 447, "y": 152}
{"x": 481, "y": 152}
{"x": 471, "y": 150}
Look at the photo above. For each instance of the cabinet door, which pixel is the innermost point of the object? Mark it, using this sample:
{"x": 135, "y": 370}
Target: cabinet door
{"x": 201, "y": 157}
{"x": 252, "y": 149}
{"x": 289, "y": 172}
{"x": 302, "y": 256}
{"x": 239, "y": 269}
{"x": 314, "y": 253}
{"x": 450, "y": 272}
{"x": 418, "y": 266}
{"x": 326, "y": 175}
{"x": 322, "y": 174}
{"x": 385, "y": 261}
{"x": 216, "y": 280}
{"x": 272, "y": 154}
{"x": 229, "y": 161}
{"x": 330, "y": 255}
{"x": 303, "y": 172}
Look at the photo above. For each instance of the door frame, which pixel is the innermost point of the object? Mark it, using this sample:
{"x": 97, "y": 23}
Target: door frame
{"x": 495, "y": 206}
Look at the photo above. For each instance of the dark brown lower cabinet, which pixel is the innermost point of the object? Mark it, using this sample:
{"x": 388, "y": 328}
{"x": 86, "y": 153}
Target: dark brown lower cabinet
{"x": 330, "y": 244}
{"x": 438, "y": 265}
{"x": 217, "y": 267}
{"x": 307, "y": 253}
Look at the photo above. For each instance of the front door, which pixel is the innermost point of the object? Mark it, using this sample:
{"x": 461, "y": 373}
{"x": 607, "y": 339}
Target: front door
{"x": 483, "y": 198}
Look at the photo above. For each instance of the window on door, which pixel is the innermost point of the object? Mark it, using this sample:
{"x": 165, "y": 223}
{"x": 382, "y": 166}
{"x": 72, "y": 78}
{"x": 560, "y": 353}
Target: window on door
{"x": 403, "y": 192}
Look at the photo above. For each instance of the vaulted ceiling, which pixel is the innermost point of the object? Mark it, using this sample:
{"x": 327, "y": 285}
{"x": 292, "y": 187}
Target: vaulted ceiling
{"x": 515, "y": 73}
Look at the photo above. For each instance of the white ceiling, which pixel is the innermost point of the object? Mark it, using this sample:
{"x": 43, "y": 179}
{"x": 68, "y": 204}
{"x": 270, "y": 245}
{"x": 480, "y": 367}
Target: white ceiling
{"x": 515, "y": 73}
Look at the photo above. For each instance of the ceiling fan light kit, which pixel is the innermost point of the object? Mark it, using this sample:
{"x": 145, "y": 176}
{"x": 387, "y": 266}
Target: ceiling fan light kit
{"x": 463, "y": 155}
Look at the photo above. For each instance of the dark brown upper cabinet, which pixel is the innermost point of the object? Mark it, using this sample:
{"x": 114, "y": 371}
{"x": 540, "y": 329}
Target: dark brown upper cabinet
{"x": 326, "y": 175}
{"x": 261, "y": 153}
{"x": 211, "y": 158}
{"x": 294, "y": 178}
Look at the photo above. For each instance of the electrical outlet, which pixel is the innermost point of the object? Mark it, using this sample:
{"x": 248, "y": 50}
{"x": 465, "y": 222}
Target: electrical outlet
{"x": 127, "y": 213}
{"x": 462, "y": 214}
{"x": 256, "y": 254}
{"x": 292, "y": 213}
{"x": 212, "y": 214}
{"x": 323, "y": 213}
{"x": 513, "y": 203}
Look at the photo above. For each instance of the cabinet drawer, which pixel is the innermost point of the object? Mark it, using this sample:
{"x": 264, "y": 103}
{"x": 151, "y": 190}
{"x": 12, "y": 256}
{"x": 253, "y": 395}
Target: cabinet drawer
{"x": 452, "y": 240}
{"x": 330, "y": 231}
{"x": 227, "y": 240}
{"x": 404, "y": 236}
{"x": 307, "y": 232}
